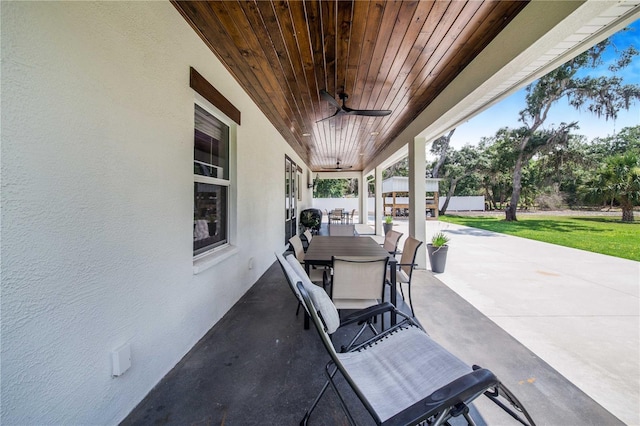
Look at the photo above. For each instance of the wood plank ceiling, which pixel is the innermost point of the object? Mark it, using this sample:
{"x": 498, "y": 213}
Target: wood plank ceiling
{"x": 390, "y": 55}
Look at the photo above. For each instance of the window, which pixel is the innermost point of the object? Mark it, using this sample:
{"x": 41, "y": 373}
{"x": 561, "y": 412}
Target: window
{"x": 210, "y": 182}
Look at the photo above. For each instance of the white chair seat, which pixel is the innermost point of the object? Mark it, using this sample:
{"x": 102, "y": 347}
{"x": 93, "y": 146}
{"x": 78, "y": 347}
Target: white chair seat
{"x": 399, "y": 371}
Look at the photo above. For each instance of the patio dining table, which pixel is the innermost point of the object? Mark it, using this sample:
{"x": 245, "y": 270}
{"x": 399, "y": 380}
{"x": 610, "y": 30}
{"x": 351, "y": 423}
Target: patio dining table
{"x": 322, "y": 248}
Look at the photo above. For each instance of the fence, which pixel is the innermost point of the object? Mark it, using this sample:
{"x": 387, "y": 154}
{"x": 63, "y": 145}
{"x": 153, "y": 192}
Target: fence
{"x": 472, "y": 203}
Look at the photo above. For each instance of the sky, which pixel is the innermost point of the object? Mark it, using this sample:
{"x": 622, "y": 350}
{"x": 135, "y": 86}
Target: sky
{"x": 505, "y": 113}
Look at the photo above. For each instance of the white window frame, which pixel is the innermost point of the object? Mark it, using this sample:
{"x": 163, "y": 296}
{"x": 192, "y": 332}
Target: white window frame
{"x": 215, "y": 255}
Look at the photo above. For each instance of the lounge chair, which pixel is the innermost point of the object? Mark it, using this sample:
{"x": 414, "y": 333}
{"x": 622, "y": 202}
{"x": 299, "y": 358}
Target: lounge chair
{"x": 402, "y": 376}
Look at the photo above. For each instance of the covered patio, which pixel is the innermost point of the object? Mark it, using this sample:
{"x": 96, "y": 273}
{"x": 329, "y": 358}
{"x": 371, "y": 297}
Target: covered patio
{"x": 156, "y": 154}
{"x": 259, "y": 366}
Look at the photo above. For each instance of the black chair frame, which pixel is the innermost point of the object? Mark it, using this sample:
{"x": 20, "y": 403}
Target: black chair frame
{"x": 435, "y": 409}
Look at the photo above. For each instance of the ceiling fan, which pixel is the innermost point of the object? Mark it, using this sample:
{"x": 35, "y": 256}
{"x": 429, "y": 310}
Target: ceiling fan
{"x": 338, "y": 167}
{"x": 343, "y": 109}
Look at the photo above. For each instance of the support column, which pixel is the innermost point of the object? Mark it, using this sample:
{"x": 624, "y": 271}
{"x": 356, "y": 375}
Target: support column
{"x": 379, "y": 201}
{"x": 363, "y": 195}
{"x": 417, "y": 197}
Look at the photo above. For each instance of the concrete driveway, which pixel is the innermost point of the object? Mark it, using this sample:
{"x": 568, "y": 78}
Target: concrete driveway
{"x": 577, "y": 310}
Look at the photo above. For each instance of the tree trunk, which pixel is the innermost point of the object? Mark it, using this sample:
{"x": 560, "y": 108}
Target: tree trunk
{"x": 443, "y": 154}
{"x": 452, "y": 189}
{"x": 510, "y": 211}
{"x": 627, "y": 211}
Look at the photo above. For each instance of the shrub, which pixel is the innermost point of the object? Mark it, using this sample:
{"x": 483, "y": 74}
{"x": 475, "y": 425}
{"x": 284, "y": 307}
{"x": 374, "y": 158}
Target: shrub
{"x": 553, "y": 201}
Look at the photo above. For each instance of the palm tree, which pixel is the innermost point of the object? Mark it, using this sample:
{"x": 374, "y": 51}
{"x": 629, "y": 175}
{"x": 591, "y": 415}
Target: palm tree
{"x": 619, "y": 179}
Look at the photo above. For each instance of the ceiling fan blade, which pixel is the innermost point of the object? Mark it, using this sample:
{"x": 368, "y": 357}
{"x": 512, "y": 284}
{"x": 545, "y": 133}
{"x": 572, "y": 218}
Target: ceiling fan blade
{"x": 343, "y": 109}
{"x": 339, "y": 111}
{"x": 369, "y": 112}
{"x": 327, "y": 97}
{"x": 337, "y": 168}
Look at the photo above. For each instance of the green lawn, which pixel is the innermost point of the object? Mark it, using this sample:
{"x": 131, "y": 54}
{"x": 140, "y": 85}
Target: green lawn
{"x": 606, "y": 235}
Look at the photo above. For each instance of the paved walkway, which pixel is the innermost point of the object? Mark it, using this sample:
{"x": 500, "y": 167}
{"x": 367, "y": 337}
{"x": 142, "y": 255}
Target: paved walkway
{"x": 578, "y": 311}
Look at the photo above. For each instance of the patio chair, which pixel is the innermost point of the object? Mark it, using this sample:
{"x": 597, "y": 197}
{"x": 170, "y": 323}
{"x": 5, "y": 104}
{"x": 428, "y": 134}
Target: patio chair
{"x": 294, "y": 273}
{"x": 306, "y": 236}
{"x": 290, "y": 275}
{"x": 358, "y": 281}
{"x": 391, "y": 240}
{"x": 317, "y": 275}
{"x": 405, "y": 267}
{"x": 335, "y": 216}
{"x": 342, "y": 230}
{"x": 402, "y": 376}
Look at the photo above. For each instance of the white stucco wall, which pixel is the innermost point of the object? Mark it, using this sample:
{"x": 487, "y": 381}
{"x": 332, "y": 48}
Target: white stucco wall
{"x": 97, "y": 187}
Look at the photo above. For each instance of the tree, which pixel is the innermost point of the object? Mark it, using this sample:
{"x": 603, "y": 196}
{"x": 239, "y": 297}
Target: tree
{"x": 331, "y": 188}
{"x": 559, "y": 171}
{"x": 626, "y": 140}
{"x": 401, "y": 168}
{"x": 459, "y": 165}
{"x": 440, "y": 147}
{"x": 496, "y": 166}
{"x": 603, "y": 96}
{"x": 619, "y": 179}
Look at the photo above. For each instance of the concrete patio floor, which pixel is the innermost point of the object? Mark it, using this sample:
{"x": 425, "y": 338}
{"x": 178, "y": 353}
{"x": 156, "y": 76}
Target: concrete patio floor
{"x": 576, "y": 310}
{"x": 258, "y": 365}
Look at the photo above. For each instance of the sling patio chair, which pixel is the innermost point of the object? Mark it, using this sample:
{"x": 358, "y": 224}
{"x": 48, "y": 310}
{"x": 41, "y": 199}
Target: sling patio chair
{"x": 358, "y": 282}
{"x": 391, "y": 240}
{"x": 306, "y": 236}
{"x": 294, "y": 273}
{"x": 401, "y": 375}
{"x": 342, "y": 230}
{"x": 317, "y": 275}
{"x": 336, "y": 216}
{"x": 406, "y": 266}
{"x": 291, "y": 275}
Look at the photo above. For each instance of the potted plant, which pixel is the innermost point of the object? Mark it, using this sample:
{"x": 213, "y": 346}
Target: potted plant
{"x": 388, "y": 224}
{"x": 437, "y": 251}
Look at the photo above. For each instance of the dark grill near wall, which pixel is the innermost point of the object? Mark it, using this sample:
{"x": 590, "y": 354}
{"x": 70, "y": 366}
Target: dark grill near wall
{"x": 312, "y": 219}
